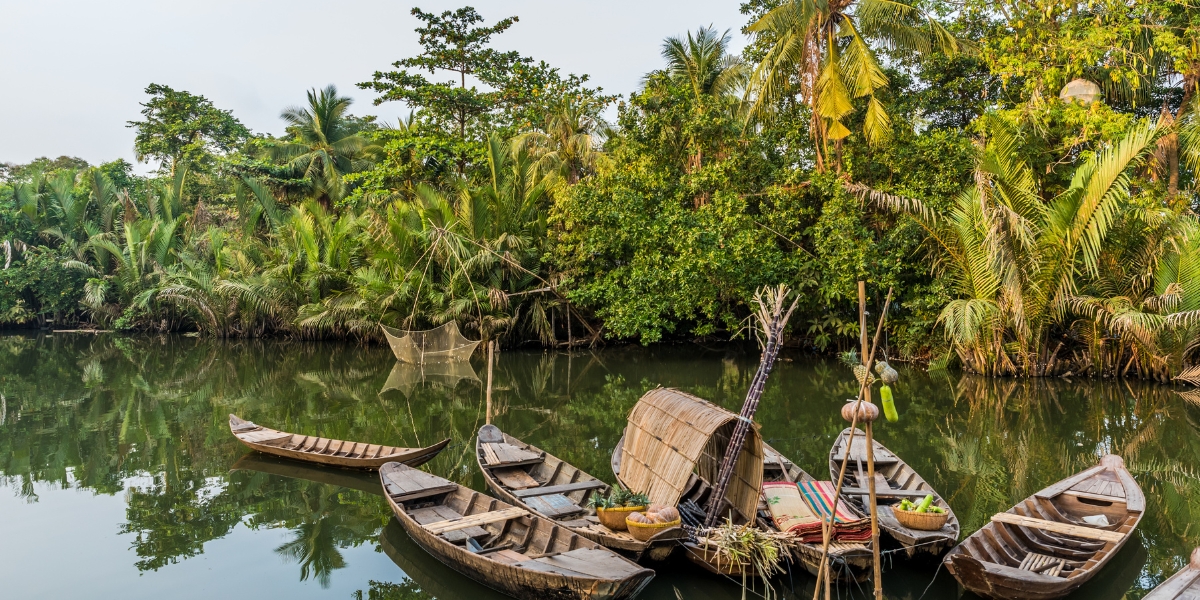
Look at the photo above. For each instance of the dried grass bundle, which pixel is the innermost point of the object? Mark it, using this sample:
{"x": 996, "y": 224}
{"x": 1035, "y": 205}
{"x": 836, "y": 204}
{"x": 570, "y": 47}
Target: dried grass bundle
{"x": 754, "y": 550}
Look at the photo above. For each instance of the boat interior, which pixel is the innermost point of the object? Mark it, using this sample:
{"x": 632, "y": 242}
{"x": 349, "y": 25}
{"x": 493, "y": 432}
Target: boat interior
{"x": 489, "y": 528}
{"x": 1062, "y": 531}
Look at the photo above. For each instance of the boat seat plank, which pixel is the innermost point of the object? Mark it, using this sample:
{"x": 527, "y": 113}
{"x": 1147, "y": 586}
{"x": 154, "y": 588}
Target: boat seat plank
{"x": 515, "y": 478}
{"x": 858, "y": 452}
{"x": 1063, "y": 528}
{"x": 436, "y": 514}
{"x": 503, "y": 454}
{"x": 245, "y": 426}
{"x": 259, "y": 437}
{"x": 553, "y": 505}
{"x": 410, "y": 484}
{"x": 592, "y": 561}
{"x": 486, "y": 518}
{"x": 560, "y": 489}
{"x": 890, "y": 493}
{"x": 1102, "y": 497}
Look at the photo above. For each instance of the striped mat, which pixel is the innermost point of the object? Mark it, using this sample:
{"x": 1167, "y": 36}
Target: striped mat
{"x": 789, "y": 511}
{"x": 849, "y": 525}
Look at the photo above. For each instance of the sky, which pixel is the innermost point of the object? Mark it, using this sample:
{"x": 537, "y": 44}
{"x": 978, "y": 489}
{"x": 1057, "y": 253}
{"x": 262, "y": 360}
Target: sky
{"x": 74, "y": 71}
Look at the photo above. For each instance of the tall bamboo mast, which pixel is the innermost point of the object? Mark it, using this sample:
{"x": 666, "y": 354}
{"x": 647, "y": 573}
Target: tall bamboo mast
{"x": 772, "y": 319}
{"x": 874, "y": 508}
{"x": 491, "y": 358}
{"x": 865, "y": 409}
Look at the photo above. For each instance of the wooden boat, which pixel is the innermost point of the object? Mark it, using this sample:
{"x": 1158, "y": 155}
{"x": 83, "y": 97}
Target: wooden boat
{"x": 1055, "y": 540}
{"x": 894, "y": 481}
{"x": 848, "y": 560}
{"x": 528, "y": 477}
{"x": 1184, "y": 585}
{"x": 325, "y": 451}
{"x": 505, "y": 547}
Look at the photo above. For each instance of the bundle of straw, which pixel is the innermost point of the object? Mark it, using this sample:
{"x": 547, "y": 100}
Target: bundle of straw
{"x": 746, "y": 546}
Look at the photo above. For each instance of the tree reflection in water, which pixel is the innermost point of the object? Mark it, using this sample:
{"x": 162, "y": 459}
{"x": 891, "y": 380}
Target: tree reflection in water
{"x": 147, "y": 417}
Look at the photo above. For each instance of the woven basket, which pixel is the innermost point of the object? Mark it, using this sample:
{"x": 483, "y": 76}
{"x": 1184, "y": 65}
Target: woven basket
{"x": 614, "y": 518}
{"x": 642, "y": 532}
{"x": 927, "y": 521}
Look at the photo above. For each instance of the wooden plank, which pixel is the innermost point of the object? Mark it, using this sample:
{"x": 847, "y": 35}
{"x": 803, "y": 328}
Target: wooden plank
{"x": 1063, "y": 528}
{"x": 592, "y": 561}
{"x": 1135, "y": 499}
{"x": 553, "y": 506}
{"x": 437, "y": 514}
{"x": 560, "y": 489}
{"x": 494, "y": 516}
{"x": 889, "y": 493}
{"x": 540, "y": 565}
{"x": 1069, "y": 482}
{"x": 508, "y": 556}
{"x": 509, "y": 455}
{"x": 515, "y": 478}
{"x": 489, "y": 454}
{"x": 1120, "y": 499}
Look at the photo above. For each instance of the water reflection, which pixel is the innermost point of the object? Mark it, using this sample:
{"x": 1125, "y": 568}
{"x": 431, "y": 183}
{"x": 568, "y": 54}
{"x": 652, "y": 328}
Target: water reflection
{"x": 146, "y": 418}
{"x": 405, "y": 377}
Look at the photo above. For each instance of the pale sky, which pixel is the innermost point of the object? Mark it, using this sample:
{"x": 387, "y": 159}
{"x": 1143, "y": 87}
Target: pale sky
{"x": 73, "y": 71}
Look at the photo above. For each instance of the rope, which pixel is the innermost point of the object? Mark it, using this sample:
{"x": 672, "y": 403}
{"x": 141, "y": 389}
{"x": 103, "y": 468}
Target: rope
{"x": 935, "y": 575}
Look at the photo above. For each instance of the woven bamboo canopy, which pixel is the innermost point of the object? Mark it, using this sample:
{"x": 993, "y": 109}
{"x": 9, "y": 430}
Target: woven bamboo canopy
{"x": 672, "y": 435}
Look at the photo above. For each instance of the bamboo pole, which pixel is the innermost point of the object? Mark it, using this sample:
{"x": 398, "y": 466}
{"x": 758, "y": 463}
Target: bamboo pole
{"x": 874, "y": 507}
{"x": 827, "y": 528}
{"x": 491, "y": 359}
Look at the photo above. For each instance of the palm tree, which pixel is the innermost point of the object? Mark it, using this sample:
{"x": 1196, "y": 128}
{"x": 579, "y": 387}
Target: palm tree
{"x": 1021, "y": 264}
{"x": 820, "y": 52}
{"x": 568, "y": 145}
{"x": 703, "y": 62}
{"x": 323, "y": 144}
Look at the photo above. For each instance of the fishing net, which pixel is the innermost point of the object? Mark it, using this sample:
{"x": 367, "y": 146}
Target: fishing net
{"x": 443, "y": 343}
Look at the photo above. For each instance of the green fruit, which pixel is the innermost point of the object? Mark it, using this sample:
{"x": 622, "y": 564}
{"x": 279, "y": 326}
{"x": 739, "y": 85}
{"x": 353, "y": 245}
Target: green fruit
{"x": 924, "y": 507}
{"x": 889, "y": 406}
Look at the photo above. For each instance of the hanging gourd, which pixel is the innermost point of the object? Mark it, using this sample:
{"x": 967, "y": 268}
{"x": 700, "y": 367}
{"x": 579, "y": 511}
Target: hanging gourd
{"x": 889, "y": 376}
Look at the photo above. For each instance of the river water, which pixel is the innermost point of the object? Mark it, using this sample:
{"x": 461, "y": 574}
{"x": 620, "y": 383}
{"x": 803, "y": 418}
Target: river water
{"x": 120, "y": 478}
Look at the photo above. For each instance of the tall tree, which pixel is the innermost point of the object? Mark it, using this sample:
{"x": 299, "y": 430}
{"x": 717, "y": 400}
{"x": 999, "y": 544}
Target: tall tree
{"x": 180, "y": 126}
{"x": 453, "y": 42}
{"x": 324, "y": 143}
{"x": 820, "y": 53}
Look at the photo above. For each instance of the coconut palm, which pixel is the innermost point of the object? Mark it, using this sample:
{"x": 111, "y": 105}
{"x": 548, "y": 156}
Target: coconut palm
{"x": 323, "y": 143}
{"x": 569, "y": 143}
{"x": 703, "y": 62}
{"x": 1019, "y": 262}
{"x": 820, "y": 51}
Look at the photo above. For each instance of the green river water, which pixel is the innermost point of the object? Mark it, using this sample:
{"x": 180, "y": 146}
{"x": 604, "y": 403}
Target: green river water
{"x": 121, "y": 480}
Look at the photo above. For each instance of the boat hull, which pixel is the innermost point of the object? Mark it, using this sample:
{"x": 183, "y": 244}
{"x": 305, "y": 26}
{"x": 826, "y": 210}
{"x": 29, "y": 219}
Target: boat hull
{"x": 289, "y": 445}
{"x": 914, "y": 542}
{"x": 523, "y": 584}
{"x": 1042, "y": 548}
{"x": 657, "y": 548}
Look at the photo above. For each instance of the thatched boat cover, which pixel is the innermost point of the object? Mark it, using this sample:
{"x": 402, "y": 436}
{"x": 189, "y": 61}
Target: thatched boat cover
{"x": 443, "y": 343}
{"x": 671, "y": 434}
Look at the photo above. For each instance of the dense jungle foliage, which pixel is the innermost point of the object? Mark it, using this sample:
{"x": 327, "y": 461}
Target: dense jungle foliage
{"x": 1022, "y": 173}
